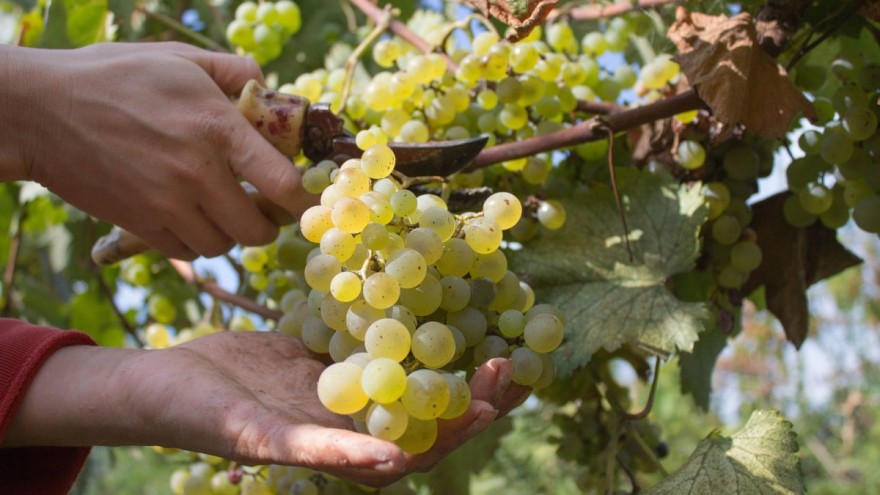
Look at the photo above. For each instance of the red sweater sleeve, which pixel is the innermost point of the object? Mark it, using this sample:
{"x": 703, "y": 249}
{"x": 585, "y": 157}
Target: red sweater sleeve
{"x": 32, "y": 470}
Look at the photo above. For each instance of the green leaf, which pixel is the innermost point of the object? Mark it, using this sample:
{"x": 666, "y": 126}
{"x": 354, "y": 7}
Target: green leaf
{"x": 92, "y": 314}
{"x": 453, "y": 474}
{"x": 74, "y": 23}
{"x": 759, "y": 459}
{"x": 696, "y": 367}
{"x": 608, "y": 300}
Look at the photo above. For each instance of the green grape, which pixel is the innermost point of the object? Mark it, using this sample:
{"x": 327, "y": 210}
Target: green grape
{"x": 523, "y": 57}
{"x": 471, "y": 322}
{"x": 220, "y": 484}
{"x": 247, "y": 11}
{"x": 404, "y": 315}
{"x": 607, "y": 89}
{"x": 815, "y": 198}
{"x": 456, "y": 293}
{"x": 483, "y": 42}
{"x": 717, "y": 197}
{"x": 381, "y": 290}
{"x": 810, "y": 142}
{"x": 548, "y": 372}
{"x": 301, "y": 487}
{"x": 859, "y": 123}
{"x": 548, "y": 108}
{"x": 811, "y": 77}
{"x": 345, "y": 286}
{"x": 457, "y": 258}
{"x": 387, "y": 338}
{"x": 289, "y": 16}
{"x": 824, "y": 110}
{"x": 403, "y": 202}
{"x": 513, "y": 116}
{"x": 560, "y": 37}
{"x": 408, "y": 267}
{"x": 315, "y": 180}
{"x": 866, "y": 214}
{"x": 459, "y": 396}
{"x": 857, "y": 166}
{"x": 795, "y": 214}
{"x": 383, "y": 380}
{"x": 438, "y": 220}
{"x": 339, "y": 388}
{"x": 426, "y": 395}
{"x": 483, "y": 292}
{"x": 491, "y": 347}
{"x": 536, "y": 170}
{"x": 869, "y": 77}
{"x": 239, "y": 32}
{"x": 350, "y": 214}
{"x": 507, "y": 291}
{"x": 316, "y": 335}
{"x": 726, "y": 230}
{"x": 320, "y": 271}
{"x": 837, "y": 147}
{"x": 157, "y": 335}
{"x": 838, "y": 215}
{"x": 487, "y": 99}
{"x": 731, "y": 278}
{"x": 802, "y": 171}
{"x": 354, "y": 182}
{"x": 387, "y": 421}
{"x": 425, "y": 298}
{"x": 532, "y": 90}
{"x": 847, "y": 67}
{"x": 624, "y": 76}
{"x": 161, "y": 309}
{"x": 358, "y": 258}
{"x": 504, "y": 208}
{"x": 745, "y": 256}
{"x": 594, "y": 43}
{"x": 527, "y": 366}
{"x": 338, "y": 244}
{"x": 847, "y": 97}
{"x": 433, "y": 344}
{"x": 691, "y": 155}
{"x": 359, "y": 316}
{"x": 741, "y": 163}
{"x": 483, "y": 234}
{"x": 551, "y": 214}
{"x": 315, "y": 221}
{"x": 385, "y": 53}
{"x": 543, "y": 332}
{"x": 426, "y": 242}
{"x": 342, "y": 345}
{"x": 511, "y": 323}
{"x": 419, "y": 436}
{"x": 380, "y": 208}
{"x": 492, "y": 266}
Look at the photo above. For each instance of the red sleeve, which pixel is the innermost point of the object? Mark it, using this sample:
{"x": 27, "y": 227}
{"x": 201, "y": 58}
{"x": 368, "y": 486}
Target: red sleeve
{"x": 32, "y": 470}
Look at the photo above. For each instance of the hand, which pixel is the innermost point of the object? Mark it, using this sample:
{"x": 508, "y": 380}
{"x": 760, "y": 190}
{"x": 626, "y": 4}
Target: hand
{"x": 146, "y": 137}
{"x": 249, "y": 397}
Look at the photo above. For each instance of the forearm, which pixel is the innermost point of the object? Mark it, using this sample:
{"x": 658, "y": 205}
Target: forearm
{"x": 24, "y": 74}
{"x": 76, "y": 399}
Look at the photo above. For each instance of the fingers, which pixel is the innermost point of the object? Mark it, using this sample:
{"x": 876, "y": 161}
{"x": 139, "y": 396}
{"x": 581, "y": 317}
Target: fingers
{"x": 230, "y": 72}
{"x": 259, "y": 163}
{"x": 342, "y": 453}
{"x": 231, "y": 208}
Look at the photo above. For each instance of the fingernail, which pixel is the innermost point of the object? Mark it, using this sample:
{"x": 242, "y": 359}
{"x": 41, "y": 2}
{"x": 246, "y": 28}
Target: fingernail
{"x": 502, "y": 382}
{"x": 483, "y": 420}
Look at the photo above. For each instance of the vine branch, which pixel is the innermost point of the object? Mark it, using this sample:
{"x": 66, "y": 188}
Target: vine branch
{"x": 179, "y": 28}
{"x": 593, "y": 129}
{"x": 400, "y": 29}
{"x": 209, "y": 286}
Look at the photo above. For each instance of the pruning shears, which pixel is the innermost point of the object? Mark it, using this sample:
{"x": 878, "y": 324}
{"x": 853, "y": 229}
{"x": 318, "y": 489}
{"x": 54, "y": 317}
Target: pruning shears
{"x": 293, "y": 124}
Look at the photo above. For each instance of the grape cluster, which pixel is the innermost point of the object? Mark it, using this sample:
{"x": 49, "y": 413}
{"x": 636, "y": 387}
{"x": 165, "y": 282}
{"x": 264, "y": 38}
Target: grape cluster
{"x": 846, "y": 148}
{"x": 261, "y": 31}
{"x": 407, "y": 298}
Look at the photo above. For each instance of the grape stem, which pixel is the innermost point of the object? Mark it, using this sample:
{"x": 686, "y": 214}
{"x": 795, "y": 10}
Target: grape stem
{"x": 382, "y": 25}
{"x": 836, "y": 22}
{"x": 464, "y": 23}
{"x": 400, "y": 29}
{"x": 179, "y": 28}
{"x": 593, "y": 129}
{"x": 11, "y": 261}
{"x": 108, "y": 294}
{"x": 209, "y": 286}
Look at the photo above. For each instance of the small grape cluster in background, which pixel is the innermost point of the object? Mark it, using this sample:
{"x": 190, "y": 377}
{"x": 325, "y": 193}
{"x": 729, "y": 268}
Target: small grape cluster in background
{"x": 261, "y": 31}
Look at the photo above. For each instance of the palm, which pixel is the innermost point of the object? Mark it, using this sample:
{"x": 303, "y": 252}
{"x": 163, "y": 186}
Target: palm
{"x": 259, "y": 390}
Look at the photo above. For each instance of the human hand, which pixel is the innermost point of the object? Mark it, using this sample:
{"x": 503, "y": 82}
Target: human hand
{"x": 249, "y": 397}
{"x": 145, "y": 136}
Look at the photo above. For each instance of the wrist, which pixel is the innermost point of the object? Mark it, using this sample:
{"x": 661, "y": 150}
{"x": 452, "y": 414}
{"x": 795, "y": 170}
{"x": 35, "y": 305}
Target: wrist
{"x": 75, "y": 400}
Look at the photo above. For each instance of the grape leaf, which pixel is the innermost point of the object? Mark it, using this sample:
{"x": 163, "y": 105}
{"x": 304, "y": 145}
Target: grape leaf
{"x": 695, "y": 368}
{"x": 584, "y": 268}
{"x": 74, "y": 23}
{"x": 759, "y": 459}
{"x": 740, "y": 82}
{"x": 793, "y": 260}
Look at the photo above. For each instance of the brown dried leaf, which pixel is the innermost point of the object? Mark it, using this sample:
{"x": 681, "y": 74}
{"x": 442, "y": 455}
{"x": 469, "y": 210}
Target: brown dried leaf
{"x": 871, "y": 10}
{"x": 733, "y": 75}
{"x": 794, "y": 259}
{"x": 521, "y": 15}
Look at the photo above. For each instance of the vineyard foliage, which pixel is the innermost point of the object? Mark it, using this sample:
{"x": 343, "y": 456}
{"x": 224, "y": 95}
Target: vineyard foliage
{"x": 633, "y": 134}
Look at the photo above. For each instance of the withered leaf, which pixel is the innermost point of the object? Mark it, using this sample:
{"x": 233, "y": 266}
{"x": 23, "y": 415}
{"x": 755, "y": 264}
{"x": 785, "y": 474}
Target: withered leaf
{"x": 738, "y": 80}
{"x": 794, "y": 259}
{"x": 521, "y": 15}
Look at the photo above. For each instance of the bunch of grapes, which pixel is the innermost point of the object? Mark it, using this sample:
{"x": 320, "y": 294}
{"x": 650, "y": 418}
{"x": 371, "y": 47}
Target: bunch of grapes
{"x": 846, "y": 148}
{"x": 261, "y": 31}
{"x": 408, "y": 298}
